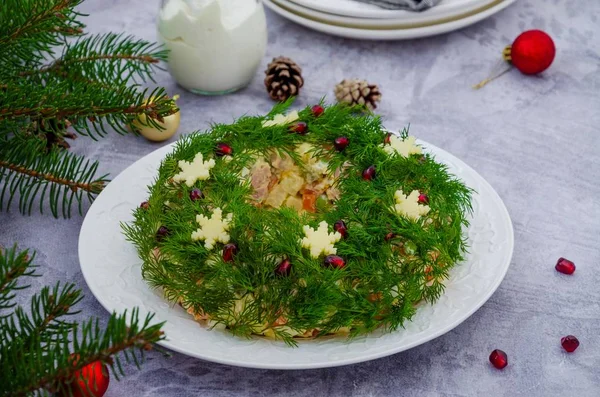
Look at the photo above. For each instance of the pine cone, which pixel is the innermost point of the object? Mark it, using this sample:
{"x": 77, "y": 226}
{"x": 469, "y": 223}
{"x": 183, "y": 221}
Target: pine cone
{"x": 358, "y": 92}
{"x": 284, "y": 78}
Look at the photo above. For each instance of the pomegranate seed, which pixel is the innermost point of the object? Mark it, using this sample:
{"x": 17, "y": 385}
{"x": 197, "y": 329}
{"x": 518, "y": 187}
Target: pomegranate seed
{"x": 389, "y": 236}
{"x": 196, "y": 194}
{"x": 161, "y": 233}
{"x": 423, "y": 199}
{"x": 145, "y": 205}
{"x": 317, "y": 110}
{"x": 284, "y": 268}
{"x": 569, "y": 343}
{"x": 341, "y": 228}
{"x": 499, "y": 359}
{"x": 299, "y": 128}
{"x": 369, "y": 173}
{"x": 223, "y": 149}
{"x": 341, "y": 143}
{"x": 387, "y": 138}
{"x": 229, "y": 251}
{"x": 565, "y": 266}
{"x": 334, "y": 261}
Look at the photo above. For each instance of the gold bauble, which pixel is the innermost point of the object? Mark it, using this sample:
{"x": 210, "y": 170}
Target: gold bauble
{"x": 168, "y": 127}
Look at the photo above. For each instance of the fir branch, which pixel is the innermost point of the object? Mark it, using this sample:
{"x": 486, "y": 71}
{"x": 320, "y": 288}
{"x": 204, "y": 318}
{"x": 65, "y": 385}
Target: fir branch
{"x": 29, "y": 29}
{"x": 108, "y": 58}
{"x": 26, "y": 169}
{"x": 13, "y": 266}
{"x": 35, "y": 366}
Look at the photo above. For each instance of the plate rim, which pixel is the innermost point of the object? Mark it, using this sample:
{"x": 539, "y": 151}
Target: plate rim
{"x": 104, "y": 302}
{"x": 443, "y": 8}
{"x": 387, "y": 33}
{"x": 417, "y": 19}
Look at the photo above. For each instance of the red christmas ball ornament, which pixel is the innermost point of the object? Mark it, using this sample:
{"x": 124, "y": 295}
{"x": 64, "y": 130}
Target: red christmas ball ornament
{"x": 532, "y": 52}
{"x": 90, "y": 381}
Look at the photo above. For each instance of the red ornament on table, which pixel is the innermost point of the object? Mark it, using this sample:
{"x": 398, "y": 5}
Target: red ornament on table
{"x": 90, "y": 381}
{"x": 532, "y": 52}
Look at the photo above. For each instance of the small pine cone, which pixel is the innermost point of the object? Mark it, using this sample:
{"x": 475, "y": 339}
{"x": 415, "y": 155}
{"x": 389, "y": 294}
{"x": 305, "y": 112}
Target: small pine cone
{"x": 358, "y": 92}
{"x": 284, "y": 78}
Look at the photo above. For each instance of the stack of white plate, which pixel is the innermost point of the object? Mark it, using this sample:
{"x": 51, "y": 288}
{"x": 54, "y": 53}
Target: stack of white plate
{"x": 353, "y": 19}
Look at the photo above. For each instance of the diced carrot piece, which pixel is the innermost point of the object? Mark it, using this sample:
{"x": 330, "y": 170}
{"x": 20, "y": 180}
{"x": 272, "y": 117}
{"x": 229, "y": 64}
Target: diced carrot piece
{"x": 309, "y": 201}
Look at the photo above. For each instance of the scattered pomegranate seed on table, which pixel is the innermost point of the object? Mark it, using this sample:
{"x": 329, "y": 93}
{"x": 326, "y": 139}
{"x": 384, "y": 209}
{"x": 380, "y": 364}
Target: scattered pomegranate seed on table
{"x": 569, "y": 343}
{"x": 565, "y": 266}
{"x": 423, "y": 199}
{"x": 499, "y": 359}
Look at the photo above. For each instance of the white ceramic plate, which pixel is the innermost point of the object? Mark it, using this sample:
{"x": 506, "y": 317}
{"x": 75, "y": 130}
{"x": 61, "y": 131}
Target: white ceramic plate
{"x": 355, "y": 9}
{"x": 416, "y": 19}
{"x": 390, "y": 32}
{"x": 112, "y": 270}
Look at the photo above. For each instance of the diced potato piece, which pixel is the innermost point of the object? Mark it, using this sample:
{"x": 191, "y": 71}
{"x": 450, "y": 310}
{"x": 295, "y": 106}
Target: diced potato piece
{"x": 291, "y": 183}
{"x": 276, "y": 197}
{"x": 294, "y": 202}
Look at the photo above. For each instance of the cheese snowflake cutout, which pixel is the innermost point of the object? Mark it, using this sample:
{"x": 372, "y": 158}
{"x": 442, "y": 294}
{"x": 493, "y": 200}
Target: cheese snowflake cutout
{"x": 281, "y": 119}
{"x": 196, "y": 170}
{"x": 319, "y": 241}
{"x": 409, "y": 205}
{"x": 212, "y": 230}
{"x": 404, "y": 147}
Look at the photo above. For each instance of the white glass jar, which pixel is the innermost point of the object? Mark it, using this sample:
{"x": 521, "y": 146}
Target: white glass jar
{"x": 215, "y": 46}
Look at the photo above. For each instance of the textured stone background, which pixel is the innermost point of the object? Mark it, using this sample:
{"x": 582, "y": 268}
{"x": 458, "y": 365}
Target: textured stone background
{"x": 535, "y": 139}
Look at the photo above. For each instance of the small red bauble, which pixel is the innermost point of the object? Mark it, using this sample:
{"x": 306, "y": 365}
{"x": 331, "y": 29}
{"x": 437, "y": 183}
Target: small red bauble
{"x": 499, "y": 359}
{"x": 90, "y": 381}
{"x": 532, "y": 52}
{"x": 317, "y": 110}
{"x": 145, "y": 205}
{"x": 299, "y": 128}
{"x": 229, "y": 251}
{"x": 284, "y": 268}
{"x": 369, "y": 173}
{"x": 569, "y": 343}
{"x": 334, "y": 261}
{"x": 341, "y": 143}
{"x": 423, "y": 199}
{"x": 341, "y": 228}
{"x": 196, "y": 194}
{"x": 565, "y": 266}
{"x": 223, "y": 149}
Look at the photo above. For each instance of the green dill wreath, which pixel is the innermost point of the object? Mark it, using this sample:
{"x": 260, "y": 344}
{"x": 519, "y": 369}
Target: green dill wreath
{"x": 319, "y": 222}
